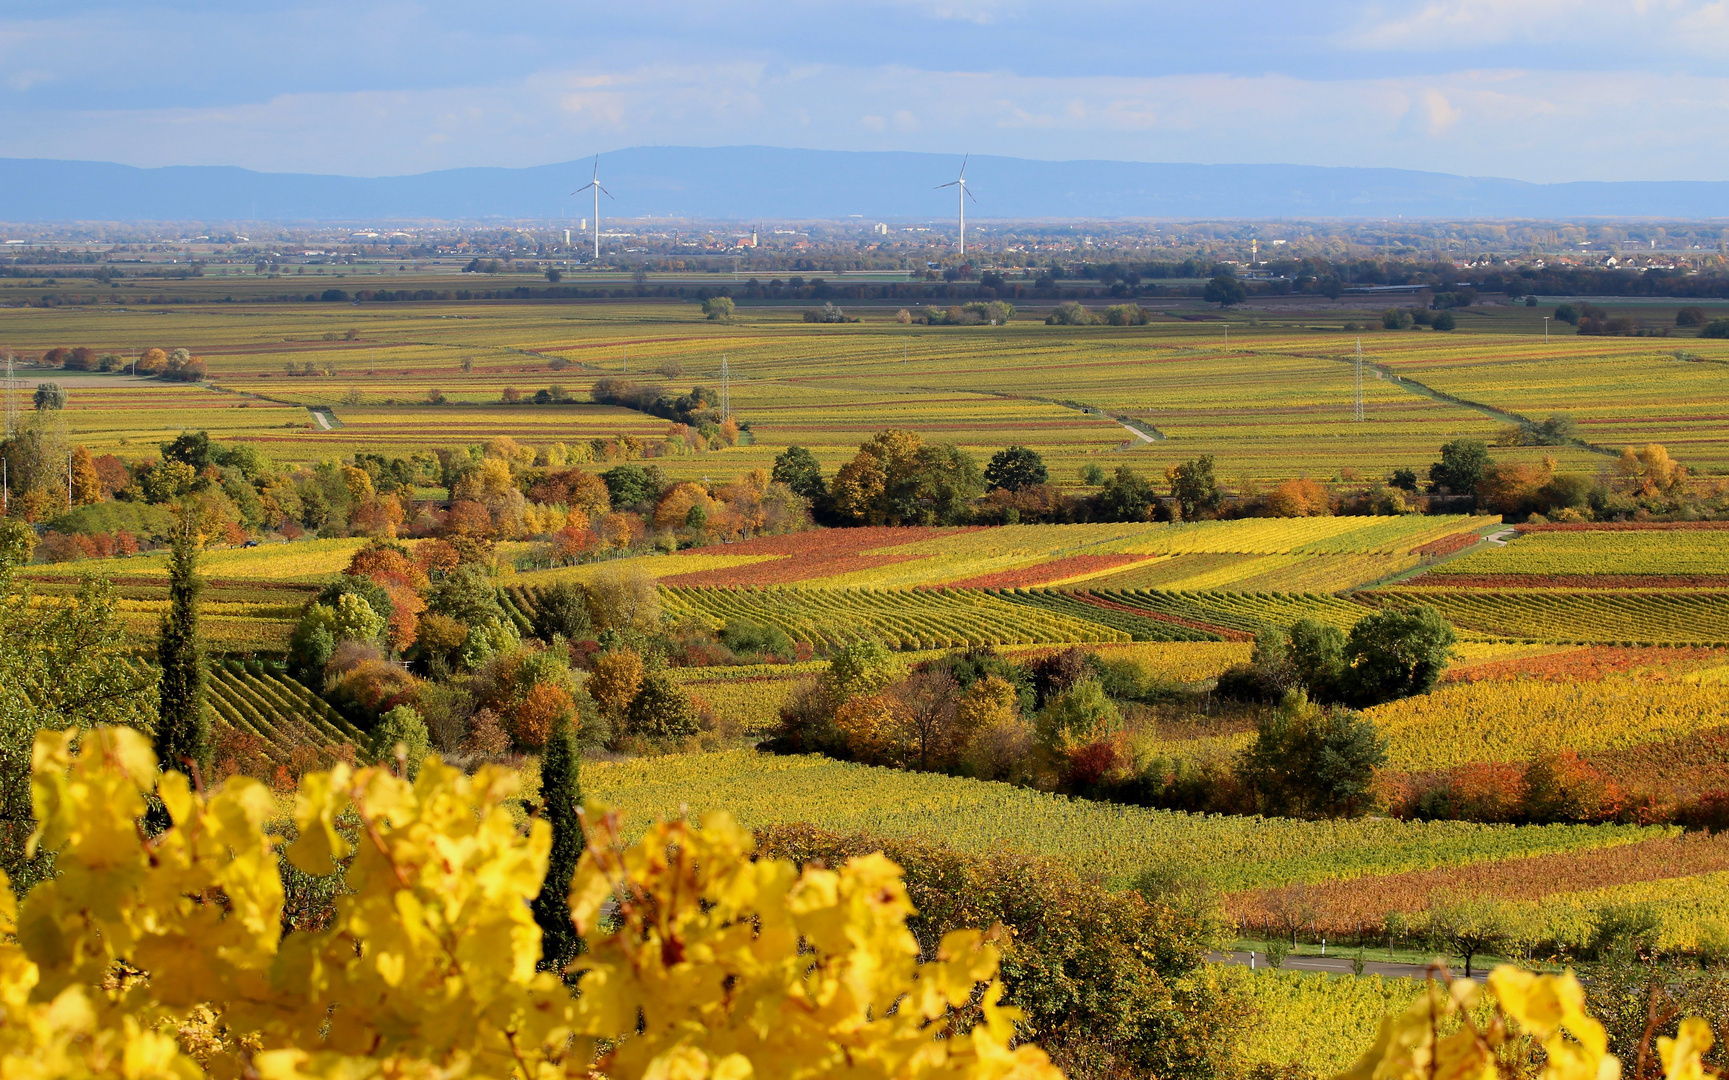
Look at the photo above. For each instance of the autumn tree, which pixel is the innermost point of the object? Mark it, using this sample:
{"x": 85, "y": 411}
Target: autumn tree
{"x": 86, "y": 484}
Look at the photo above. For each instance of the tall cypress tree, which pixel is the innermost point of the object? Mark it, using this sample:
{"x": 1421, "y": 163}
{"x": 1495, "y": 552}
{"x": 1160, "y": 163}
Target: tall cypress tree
{"x": 182, "y": 731}
{"x": 561, "y": 797}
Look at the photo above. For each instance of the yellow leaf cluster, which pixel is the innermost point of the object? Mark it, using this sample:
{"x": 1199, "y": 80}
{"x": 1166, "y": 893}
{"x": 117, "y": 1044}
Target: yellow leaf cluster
{"x": 1437, "y": 1037}
{"x": 163, "y": 956}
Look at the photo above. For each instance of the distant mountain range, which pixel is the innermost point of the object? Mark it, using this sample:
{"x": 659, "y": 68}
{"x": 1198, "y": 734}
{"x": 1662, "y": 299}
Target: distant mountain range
{"x": 756, "y": 183}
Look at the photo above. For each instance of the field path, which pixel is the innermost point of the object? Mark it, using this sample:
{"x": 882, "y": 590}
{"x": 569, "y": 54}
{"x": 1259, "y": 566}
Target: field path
{"x": 1339, "y": 965}
{"x": 1138, "y": 433}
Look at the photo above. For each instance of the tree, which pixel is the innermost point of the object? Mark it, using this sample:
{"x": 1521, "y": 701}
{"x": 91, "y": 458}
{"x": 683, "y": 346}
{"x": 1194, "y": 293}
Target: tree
{"x": 182, "y": 730}
{"x": 799, "y": 470}
{"x": 1225, "y": 291}
{"x": 1567, "y": 313}
{"x": 1015, "y": 468}
{"x": 1396, "y": 653}
{"x": 1127, "y": 496}
{"x": 61, "y": 667}
{"x": 191, "y": 447}
{"x": 562, "y": 611}
{"x": 1311, "y": 762}
{"x": 718, "y": 308}
{"x": 1690, "y": 316}
{"x": 86, "y": 485}
{"x": 1194, "y": 487}
{"x": 403, "y": 726}
{"x": 1461, "y": 468}
{"x": 554, "y": 274}
{"x": 560, "y": 804}
{"x": 1444, "y": 321}
{"x": 661, "y": 711}
{"x": 624, "y": 598}
{"x": 1467, "y": 925}
{"x": 632, "y": 485}
{"x": 49, "y": 396}
{"x": 1316, "y": 653}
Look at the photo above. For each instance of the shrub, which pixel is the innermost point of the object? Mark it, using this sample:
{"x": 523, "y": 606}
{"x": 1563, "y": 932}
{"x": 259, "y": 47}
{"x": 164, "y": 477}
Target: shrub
{"x": 661, "y": 712}
{"x": 1109, "y": 984}
{"x": 747, "y": 638}
{"x": 401, "y": 725}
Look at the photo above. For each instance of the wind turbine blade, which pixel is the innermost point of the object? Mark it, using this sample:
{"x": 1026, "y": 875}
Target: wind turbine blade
{"x": 969, "y": 192}
{"x": 964, "y": 159}
{"x": 951, "y": 183}
{"x": 604, "y": 191}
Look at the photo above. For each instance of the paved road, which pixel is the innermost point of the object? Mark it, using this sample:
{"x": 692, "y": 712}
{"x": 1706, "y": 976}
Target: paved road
{"x": 1336, "y": 965}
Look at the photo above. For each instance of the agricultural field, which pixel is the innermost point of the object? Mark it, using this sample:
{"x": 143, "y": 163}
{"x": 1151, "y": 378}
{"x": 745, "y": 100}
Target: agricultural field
{"x": 1277, "y": 404}
{"x": 1115, "y": 842}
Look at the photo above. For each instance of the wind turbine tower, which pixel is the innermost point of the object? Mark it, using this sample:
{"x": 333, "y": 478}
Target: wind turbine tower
{"x": 961, "y": 196}
{"x": 595, "y": 184}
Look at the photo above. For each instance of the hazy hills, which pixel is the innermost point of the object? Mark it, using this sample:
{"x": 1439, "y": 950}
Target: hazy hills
{"x": 746, "y": 183}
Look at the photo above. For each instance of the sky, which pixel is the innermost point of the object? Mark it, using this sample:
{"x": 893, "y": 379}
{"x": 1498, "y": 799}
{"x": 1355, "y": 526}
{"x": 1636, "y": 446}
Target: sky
{"x": 1538, "y": 90}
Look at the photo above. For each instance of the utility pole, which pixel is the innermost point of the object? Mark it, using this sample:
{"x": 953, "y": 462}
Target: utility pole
{"x": 1546, "y": 319}
{"x": 11, "y": 399}
{"x": 68, "y": 480}
{"x": 1227, "y": 337}
{"x": 725, "y": 389}
{"x": 1357, "y": 410}
{"x": 627, "y": 359}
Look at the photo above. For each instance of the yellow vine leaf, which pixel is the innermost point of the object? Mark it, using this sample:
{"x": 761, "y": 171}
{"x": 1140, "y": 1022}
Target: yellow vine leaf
{"x": 736, "y": 968}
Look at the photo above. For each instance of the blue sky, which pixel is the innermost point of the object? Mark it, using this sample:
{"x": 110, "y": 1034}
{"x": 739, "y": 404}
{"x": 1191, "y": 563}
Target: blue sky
{"x": 1541, "y": 90}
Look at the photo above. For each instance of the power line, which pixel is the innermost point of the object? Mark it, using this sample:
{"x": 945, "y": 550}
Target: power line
{"x": 1357, "y": 411}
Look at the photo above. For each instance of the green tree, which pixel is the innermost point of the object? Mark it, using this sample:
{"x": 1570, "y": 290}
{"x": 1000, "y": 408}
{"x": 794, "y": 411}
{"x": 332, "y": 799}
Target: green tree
{"x": 1311, "y": 762}
{"x": 49, "y": 397}
{"x": 1396, "y": 653}
{"x": 1462, "y": 465}
{"x": 61, "y": 666}
{"x": 1015, "y": 468}
{"x": 798, "y": 469}
{"x": 719, "y": 308}
{"x": 561, "y": 802}
{"x": 1126, "y": 496}
{"x": 402, "y": 725}
{"x": 182, "y": 729}
{"x": 661, "y": 711}
{"x": 561, "y": 610}
{"x": 944, "y": 482}
{"x": 632, "y": 485}
{"x": 1444, "y": 321}
{"x": 860, "y": 667}
{"x": 191, "y": 447}
{"x": 1225, "y": 291}
{"x": 1082, "y": 714}
{"x": 1316, "y": 653}
{"x": 1194, "y": 487}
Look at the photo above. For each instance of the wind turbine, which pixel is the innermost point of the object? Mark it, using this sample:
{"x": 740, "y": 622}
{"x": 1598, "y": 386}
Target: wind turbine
{"x": 961, "y": 197}
{"x": 595, "y": 184}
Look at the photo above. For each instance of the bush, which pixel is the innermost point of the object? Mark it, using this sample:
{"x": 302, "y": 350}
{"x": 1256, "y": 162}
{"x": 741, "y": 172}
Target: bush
{"x": 561, "y": 610}
{"x": 747, "y": 638}
{"x": 1716, "y": 328}
{"x": 1444, "y": 321}
{"x": 1690, "y": 316}
{"x": 1110, "y": 984}
{"x": 661, "y": 712}
{"x": 401, "y": 724}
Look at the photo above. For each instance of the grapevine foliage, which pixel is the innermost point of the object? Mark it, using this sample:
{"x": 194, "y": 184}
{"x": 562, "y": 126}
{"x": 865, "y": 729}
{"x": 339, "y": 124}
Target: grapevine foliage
{"x": 163, "y": 956}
